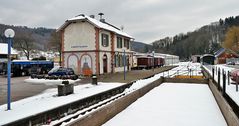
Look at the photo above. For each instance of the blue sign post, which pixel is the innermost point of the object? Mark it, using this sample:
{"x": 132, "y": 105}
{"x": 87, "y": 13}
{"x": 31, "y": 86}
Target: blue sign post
{"x": 124, "y": 65}
{"x": 9, "y": 33}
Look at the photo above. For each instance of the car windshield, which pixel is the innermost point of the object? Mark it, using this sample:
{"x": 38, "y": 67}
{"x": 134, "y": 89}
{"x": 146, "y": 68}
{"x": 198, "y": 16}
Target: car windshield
{"x": 54, "y": 69}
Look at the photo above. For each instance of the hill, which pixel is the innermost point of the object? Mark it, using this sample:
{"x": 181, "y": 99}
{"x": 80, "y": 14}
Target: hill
{"x": 141, "y": 47}
{"x": 206, "y": 39}
{"x": 40, "y": 37}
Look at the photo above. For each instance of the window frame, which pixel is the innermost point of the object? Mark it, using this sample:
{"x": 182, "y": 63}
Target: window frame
{"x": 106, "y": 42}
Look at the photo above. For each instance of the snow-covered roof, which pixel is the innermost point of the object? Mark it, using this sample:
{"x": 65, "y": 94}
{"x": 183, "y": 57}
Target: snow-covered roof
{"x": 219, "y": 52}
{"x": 96, "y": 23}
{"x": 4, "y": 49}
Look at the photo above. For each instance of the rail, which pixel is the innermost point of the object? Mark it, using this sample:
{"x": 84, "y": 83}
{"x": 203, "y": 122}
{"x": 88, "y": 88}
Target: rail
{"x": 82, "y": 106}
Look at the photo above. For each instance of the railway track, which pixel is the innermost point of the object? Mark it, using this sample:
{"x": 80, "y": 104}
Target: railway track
{"x": 85, "y": 111}
{"x": 64, "y": 114}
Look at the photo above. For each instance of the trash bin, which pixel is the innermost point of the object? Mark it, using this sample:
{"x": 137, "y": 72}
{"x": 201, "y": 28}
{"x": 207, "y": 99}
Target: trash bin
{"x": 61, "y": 90}
{"x": 94, "y": 79}
{"x": 65, "y": 88}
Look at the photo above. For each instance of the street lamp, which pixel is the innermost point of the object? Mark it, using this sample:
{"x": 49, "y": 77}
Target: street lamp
{"x": 9, "y": 33}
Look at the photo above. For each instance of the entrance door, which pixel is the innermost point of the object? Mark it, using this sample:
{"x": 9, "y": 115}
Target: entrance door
{"x": 105, "y": 64}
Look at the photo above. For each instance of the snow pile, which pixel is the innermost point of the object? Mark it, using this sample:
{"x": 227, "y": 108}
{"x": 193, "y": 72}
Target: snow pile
{"x": 172, "y": 105}
{"x": 48, "y": 82}
{"x": 49, "y": 100}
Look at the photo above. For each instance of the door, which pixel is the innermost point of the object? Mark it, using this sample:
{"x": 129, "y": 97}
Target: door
{"x": 105, "y": 64}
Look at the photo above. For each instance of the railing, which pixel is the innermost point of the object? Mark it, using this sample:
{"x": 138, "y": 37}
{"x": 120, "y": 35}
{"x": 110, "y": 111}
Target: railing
{"x": 220, "y": 76}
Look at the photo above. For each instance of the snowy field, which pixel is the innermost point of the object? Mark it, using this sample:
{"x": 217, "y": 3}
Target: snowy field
{"x": 172, "y": 105}
{"x": 230, "y": 88}
{"x": 48, "y": 99}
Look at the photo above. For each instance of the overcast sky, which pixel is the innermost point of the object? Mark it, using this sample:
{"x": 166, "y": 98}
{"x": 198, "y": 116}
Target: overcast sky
{"x": 145, "y": 20}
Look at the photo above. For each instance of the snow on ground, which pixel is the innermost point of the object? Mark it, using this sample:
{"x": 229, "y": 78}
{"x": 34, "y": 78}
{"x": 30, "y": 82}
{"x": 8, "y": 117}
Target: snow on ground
{"x": 230, "y": 88}
{"x": 49, "y": 100}
{"x": 48, "y": 82}
{"x": 172, "y": 105}
{"x": 143, "y": 82}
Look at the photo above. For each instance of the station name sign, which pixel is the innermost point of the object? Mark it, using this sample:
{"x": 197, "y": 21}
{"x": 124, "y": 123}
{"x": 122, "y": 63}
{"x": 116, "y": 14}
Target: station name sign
{"x": 79, "y": 46}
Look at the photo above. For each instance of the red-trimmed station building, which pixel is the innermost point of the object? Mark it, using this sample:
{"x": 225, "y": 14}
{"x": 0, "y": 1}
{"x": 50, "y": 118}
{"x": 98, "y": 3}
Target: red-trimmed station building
{"x": 90, "y": 46}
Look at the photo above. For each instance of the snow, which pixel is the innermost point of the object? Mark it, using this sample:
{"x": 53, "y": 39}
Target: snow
{"x": 98, "y": 24}
{"x": 143, "y": 82}
{"x": 230, "y": 88}
{"x": 4, "y": 49}
{"x": 172, "y": 105}
{"x": 48, "y": 82}
{"x": 49, "y": 100}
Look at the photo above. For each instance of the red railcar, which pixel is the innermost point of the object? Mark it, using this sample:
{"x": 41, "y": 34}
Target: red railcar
{"x": 145, "y": 62}
{"x": 158, "y": 61}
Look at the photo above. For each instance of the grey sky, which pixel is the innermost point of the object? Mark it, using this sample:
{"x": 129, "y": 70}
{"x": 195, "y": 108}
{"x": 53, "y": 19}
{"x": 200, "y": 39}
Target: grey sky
{"x": 145, "y": 20}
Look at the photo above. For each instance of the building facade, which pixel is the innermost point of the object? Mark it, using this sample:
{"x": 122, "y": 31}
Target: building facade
{"x": 222, "y": 55}
{"x": 90, "y": 46}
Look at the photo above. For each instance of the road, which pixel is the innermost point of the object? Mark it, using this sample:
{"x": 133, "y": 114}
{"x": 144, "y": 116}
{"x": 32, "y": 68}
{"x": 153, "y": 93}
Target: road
{"x": 19, "y": 89}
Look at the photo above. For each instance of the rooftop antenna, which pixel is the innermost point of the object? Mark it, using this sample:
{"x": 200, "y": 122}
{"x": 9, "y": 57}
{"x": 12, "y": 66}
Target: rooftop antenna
{"x": 101, "y": 14}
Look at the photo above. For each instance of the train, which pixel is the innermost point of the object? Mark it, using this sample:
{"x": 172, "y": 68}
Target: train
{"x": 26, "y": 67}
{"x": 148, "y": 61}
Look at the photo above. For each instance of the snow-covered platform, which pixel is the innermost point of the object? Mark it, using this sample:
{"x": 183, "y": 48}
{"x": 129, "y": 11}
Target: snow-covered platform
{"x": 173, "y": 105}
{"x": 48, "y": 100}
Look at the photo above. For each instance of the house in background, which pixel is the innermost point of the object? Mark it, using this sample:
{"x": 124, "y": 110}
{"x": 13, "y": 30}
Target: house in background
{"x": 4, "y": 52}
{"x": 223, "y": 55}
{"x": 195, "y": 58}
{"x": 92, "y": 46}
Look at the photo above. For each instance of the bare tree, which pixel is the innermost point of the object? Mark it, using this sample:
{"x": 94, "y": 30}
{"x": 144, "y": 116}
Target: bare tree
{"x": 55, "y": 43}
{"x": 24, "y": 42}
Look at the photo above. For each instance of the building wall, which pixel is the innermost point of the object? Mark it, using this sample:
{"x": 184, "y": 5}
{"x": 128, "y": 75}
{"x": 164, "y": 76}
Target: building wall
{"x": 81, "y": 62}
{"x": 83, "y": 50}
{"x": 79, "y": 36}
{"x": 222, "y": 58}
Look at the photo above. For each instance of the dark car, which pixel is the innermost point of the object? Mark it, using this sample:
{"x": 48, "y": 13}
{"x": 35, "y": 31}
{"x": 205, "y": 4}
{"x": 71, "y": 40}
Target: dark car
{"x": 60, "y": 71}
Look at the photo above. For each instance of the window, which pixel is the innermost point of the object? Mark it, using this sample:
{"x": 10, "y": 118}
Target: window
{"x": 126, "y": 43}
{"x": 119, "y": 42}
{"x": 104, "y": 40}
{"x": 116, "y": 61}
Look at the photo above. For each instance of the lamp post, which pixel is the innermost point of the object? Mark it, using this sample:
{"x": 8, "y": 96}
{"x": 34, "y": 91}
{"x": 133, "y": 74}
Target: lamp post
{"x": 153, "y": 60}
{"x": 9, "y": 33}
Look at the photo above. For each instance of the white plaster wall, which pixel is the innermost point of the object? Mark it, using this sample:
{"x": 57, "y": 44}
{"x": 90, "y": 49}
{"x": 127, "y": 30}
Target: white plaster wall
{"x": 79, "y": 36}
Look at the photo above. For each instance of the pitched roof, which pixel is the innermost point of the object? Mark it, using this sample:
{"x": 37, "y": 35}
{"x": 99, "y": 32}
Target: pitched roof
{"x": 222, "y": 50}
{"x": 219, "y": 52}
{"x": 96, "y": 23}
{"x": 4, "y": 49}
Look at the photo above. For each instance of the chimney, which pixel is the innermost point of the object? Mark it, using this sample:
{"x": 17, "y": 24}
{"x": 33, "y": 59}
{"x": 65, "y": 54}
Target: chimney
{"x": 92, "y": 16}
{"x": 81, "y": 15}
{"x": 102, "y": 20}
{"x": 101, "y": 14}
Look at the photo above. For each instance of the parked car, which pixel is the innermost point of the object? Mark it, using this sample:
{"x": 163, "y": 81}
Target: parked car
{"x": 60, "y": 71}
{"x": 231, "y": 63}
{"x": 235, "y": 75}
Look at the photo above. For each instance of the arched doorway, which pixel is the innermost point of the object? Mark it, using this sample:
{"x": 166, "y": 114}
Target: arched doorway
{"x": 105, "y": 64}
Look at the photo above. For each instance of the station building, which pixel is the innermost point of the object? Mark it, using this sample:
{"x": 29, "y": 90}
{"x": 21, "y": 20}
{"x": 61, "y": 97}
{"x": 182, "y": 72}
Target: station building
{"x": 92, "y": 46}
